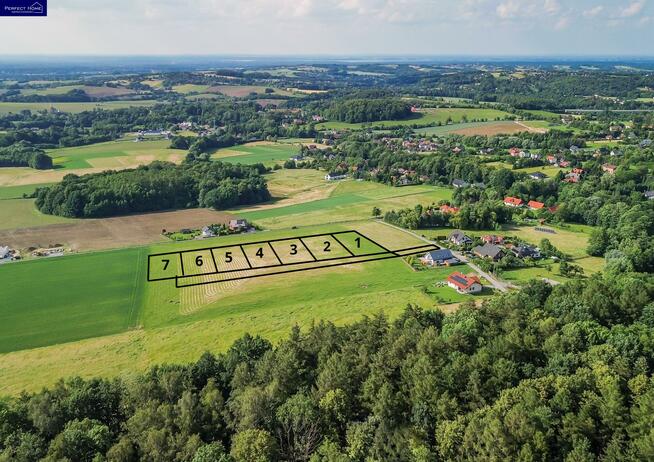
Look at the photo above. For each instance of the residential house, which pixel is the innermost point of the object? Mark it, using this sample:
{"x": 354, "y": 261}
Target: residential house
{"x": 333, "y": 176}
{"x": 552, "y": 160}
{"x": 458, "y": 237}
{"x": 448, "y": 209}
{"x": 492, "y": 239}
{"x": 459, "y": 183}
{"x": 524, "y": 251}
{"x": 464, "y": 284}
{"x": 645, "y": 143}
{"x": 487, "y": 250}
{"x": 208, "y": 232}
{"x": 441, "y": 257}
{"x": 537, "y": 176}
{"x": 5, "y": 252}
{"x": 457, "y": 150}
{"x": 615, "y": 153}
{"x": 513, "y": 202}
{"x": 609, "y": 168}
{"x": 564, "y": 163}
{"x": 649, "y": 195}
{"x": 514, "y": 152}
{"x": 239, "y": 224}
{"x": 535, "y": 205}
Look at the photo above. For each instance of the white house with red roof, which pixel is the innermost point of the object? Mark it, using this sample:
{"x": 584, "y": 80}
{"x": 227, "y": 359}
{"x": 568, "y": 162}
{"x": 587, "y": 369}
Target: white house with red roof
{"x": 513, "y": 202}
{"x": 464, "y": 284}
{"x": 535, "y": 205}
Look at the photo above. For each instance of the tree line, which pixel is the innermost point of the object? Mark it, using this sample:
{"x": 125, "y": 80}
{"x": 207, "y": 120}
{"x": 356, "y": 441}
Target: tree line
{"x": 157, "y": 186}
{"x": 23, "y": 154}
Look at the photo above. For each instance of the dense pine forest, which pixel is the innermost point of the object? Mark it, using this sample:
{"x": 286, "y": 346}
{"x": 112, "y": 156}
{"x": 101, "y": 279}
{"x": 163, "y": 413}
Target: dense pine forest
{"x": 556, "y": 374}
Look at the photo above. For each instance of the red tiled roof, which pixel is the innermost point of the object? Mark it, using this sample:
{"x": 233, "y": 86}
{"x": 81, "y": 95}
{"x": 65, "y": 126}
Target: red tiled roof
{"x": 535, "y": 205}
{"x": 461, "y": 280}
{"x": 448, "y": 209}
{"x": 512, "y": 201}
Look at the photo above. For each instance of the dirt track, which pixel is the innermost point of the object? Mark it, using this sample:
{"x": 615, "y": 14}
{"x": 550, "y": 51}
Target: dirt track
{"x": 109, "y": 233}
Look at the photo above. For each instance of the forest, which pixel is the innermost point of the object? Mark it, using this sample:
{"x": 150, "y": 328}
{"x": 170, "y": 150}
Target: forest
{"x": 157, "y": 186}
{"x": 547, "y": 373}
{"x": 354, "y": 110}
{"x": 23, "y": 154}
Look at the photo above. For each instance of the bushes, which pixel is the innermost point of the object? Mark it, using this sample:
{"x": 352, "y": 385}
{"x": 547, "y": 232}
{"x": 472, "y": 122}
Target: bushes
{"x": 158, "y": 186}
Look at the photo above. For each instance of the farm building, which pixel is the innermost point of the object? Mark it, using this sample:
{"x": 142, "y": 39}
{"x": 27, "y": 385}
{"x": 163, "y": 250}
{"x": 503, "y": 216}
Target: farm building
{"x": 512, "y": 202}
{"x": 333, "y": 176}
{"x": 488, "y": 251}
{"x": 439, "y": 258}
{"x": 464, "y": 284}
{"x": 458, "y": 237}
{"x": 239, "y": 224}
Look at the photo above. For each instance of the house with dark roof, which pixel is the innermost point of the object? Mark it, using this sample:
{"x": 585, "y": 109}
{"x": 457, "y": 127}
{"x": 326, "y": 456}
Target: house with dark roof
{"x": 464, "y": 284}
{"x": 649, "y": 195}
{"x": 439, "y": 258}
{"x": 458, "y": 237}
{"x": 459, "y": 183}
{"x": 487, "y": 250}
{"x": 525, "y": 251}
{"x": 537, "y": 176}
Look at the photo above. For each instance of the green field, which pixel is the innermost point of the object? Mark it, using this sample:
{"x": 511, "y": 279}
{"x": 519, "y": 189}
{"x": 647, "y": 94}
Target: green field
{"x": 543, "y": 114}
{"x": 447, "y": 129}
{"x": 62, "y": 299}
{"x": 252, "y": 153}
{"x": 99, "y": 294}
{"x": 21, "y": 213}
{"x": 425, "y": 117}
{"x": 113, "y": 154}
{"x": 6, "y": 108}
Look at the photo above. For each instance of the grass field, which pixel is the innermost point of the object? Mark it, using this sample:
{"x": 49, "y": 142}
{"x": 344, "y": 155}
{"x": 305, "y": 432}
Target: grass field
{"x": 6, "y": 108}
{"x": 16, "y": 192}
{"x": 267, "y": 153}
{"x": 176, "y": 325}
{"x": 21, "y": 213}
{"x": 114, "y": 154}
{"x": 347, "y": 200}
{"x": 424, "y": 117}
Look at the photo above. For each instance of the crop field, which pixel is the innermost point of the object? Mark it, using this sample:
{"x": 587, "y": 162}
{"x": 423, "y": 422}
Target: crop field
{"x": 472, "y": 128}
{"x": 6, "y": 108}
{"x": 155, "y": 322}
{"x": 426, "y": 116}
{"x": 264, "y": 152}
{"x": 93, "y": 91}
{"x": 62, "y": 299}
{"x": 348, "y": 200}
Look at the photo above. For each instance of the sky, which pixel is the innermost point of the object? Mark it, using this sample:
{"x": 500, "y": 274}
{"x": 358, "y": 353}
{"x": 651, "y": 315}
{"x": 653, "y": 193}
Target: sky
{"x": 335, "y": 27}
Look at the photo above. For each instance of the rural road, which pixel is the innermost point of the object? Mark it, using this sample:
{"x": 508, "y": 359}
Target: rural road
{"x": 499, "y": 285}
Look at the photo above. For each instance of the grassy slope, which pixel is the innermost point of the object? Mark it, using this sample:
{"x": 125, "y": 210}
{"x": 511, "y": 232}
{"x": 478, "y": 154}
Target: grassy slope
{"x": 428, "y": 116}
{"x": 16, "y": 192}
{"x": 6, "y": 108}
{"x": 21, "y": 213}
{"x": 175, "y": 327}
{"x": 84, "y": 156}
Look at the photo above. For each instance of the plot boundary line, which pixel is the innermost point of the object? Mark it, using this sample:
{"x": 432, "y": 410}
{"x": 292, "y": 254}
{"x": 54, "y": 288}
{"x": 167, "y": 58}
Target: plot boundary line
{"x": 322, "y": 263}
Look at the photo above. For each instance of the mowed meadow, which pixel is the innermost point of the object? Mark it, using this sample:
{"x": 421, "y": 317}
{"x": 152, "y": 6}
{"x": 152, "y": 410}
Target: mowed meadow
{"x": 103, "y": 318}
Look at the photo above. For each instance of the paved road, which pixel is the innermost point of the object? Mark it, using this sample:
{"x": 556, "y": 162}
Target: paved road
{"x": 499, "y": 285}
